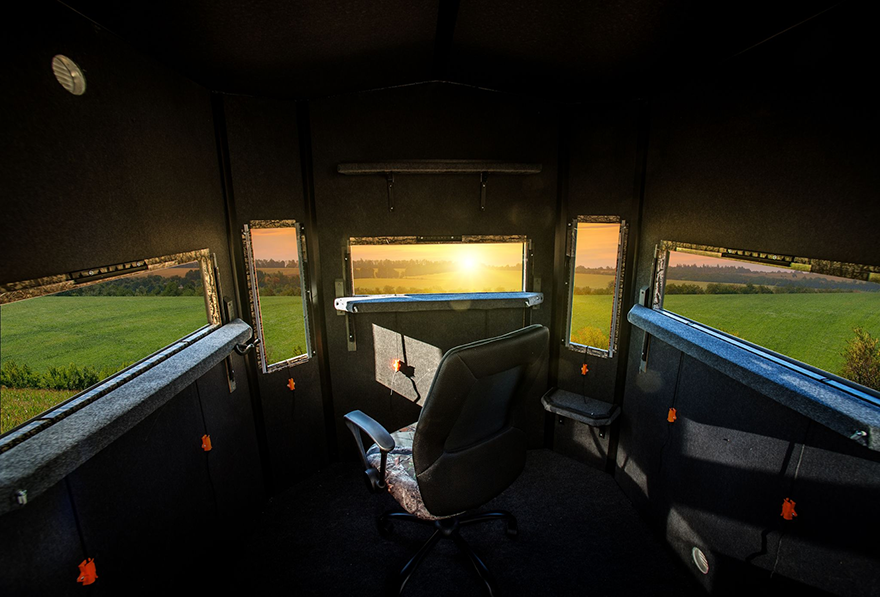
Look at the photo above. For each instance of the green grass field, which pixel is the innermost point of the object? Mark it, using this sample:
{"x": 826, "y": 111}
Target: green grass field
{"x": 592, "y": 280}
{"x": 478, "y": 280}
{"x": 283, "y": 327}
{"x": 812, "y": 328}
{"x": 112, "y": 332}
{"x": 98, "y": 331}
{"x": 20, "y": 405}
{"x": 592, "y": 312}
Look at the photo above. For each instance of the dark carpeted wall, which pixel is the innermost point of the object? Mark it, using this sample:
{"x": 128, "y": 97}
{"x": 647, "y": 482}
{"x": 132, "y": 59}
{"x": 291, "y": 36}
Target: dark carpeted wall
{"x": 263, "y": 138}
{"x": 128, "y": 170}
{"x": 776, "y": 153}
{"x": 601, "y": 150}
{"x": 430, "y": 121}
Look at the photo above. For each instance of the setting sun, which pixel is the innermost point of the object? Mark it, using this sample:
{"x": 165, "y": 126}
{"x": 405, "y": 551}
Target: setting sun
{"x": 468, "y": 264}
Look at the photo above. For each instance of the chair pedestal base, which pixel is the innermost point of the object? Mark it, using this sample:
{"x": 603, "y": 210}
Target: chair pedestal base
{"x": 446, "y": 527}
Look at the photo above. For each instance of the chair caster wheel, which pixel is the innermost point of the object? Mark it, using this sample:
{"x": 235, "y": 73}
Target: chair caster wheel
{"x": 512, "y": 531}
{"x": 385, "y": 526}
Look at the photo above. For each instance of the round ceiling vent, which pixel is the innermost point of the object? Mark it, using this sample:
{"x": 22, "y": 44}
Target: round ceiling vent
{"x": 700, "y": 560}
{"x": 69, "y": 74}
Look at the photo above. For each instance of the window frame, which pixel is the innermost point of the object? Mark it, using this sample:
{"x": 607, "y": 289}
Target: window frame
{"x": 842, "y": 269}
{"x": 254, "y": 291}
{"x": 20, "y": 290}
{"x": 617, "y": 300}
{"x": 527, "y": 262}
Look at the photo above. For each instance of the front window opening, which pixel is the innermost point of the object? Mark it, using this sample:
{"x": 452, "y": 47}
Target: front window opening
{"x": 278, "y": 303}
{"x": 597, "y": 247}
{"x": 62, "y": 335}
{"x": 412, "y": 266}
{"x": 799, "y": 310}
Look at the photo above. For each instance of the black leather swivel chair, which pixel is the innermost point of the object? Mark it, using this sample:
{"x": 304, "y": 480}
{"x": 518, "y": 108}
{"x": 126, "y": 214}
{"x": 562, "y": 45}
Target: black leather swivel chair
{"x": 467, "y": 446}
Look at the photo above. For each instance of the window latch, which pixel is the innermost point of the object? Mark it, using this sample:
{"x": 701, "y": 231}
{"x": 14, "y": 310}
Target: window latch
{"x": 246, "y": 347}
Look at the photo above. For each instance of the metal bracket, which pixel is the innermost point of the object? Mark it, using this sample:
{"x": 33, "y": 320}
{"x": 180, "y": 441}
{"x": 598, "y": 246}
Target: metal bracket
{"x": 245, "y": 348}
{"x": 484, "y": 179}
{"x": 349, "y": 330}
{"x": 646, "y": 347}
{"x": 389, "y": 178}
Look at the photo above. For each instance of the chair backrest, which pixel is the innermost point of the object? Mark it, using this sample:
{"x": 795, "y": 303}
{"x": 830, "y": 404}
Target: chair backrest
{"x": 470, "y": 444}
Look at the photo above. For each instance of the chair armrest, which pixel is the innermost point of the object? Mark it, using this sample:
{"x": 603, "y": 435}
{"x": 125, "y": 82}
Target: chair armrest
{"x": 372, "y": 428}
{"x": 358, "y": 422}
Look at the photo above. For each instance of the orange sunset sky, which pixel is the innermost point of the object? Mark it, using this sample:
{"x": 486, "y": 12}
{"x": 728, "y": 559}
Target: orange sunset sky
{"x": 597, "y": 244}
{"x": 596, "y": 247}
{"x": 274, "y": 243}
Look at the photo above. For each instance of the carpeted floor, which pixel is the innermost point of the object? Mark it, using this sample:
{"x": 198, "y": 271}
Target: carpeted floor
{"x": 578, "y": 535}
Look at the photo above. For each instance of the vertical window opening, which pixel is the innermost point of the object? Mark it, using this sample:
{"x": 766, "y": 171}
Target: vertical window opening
{"x": 596, "y": 256}
{"x": 279, "y": 307}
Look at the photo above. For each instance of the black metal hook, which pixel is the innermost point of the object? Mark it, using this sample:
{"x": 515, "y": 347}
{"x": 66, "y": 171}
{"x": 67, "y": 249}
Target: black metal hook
{"x": 245, "y": 348}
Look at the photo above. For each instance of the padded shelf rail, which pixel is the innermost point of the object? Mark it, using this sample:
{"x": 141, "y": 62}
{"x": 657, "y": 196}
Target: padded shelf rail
{"x": 41, "y": 461}
{"x": 438, "y": 302}
{"x": 594, "y": 413}
{"x": 807, "y": 391}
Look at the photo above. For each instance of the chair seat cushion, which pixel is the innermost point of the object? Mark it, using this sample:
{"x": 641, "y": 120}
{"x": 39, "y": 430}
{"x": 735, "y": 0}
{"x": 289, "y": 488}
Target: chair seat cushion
{"x": 400, "y": 473}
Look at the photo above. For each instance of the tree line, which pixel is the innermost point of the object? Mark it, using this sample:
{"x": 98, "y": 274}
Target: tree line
{"x": 278, "y": 284}
{"x": 749, "y": 288}
{"x": 605, "y": 271}
{"x": 742, "y": 275}
{"x": 275, "y": 263}
{"x": 411, "y": 268}
{"x": 190, "y": 284}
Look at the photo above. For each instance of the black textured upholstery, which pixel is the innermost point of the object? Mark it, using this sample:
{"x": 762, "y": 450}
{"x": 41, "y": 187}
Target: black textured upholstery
{"x": 470, "y": 444}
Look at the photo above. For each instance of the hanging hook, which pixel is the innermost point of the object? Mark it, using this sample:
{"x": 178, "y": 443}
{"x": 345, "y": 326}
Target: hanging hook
{"x": 245, "y": 348}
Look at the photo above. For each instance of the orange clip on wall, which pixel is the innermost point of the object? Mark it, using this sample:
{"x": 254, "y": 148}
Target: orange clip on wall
{"x": 87, "y": 573}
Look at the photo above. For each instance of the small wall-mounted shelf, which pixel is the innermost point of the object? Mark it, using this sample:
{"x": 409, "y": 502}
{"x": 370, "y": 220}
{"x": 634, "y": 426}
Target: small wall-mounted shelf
{"x": 438, "y": 167}
{"x": 481, "y": 167}
{"x": 594, "y": 413}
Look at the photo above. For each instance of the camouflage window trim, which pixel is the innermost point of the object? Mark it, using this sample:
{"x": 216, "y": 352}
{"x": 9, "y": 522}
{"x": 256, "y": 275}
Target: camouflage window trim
{"x": 617, "y": 304}
{"x": 438, "y": 240}
{"x": 250, "y": 275}
{"x": 826, "y": 267}
{"x": 25, "y": 289}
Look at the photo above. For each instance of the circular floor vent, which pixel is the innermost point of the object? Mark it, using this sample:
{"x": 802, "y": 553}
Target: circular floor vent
{"x": 69, "y": 74}
{"x": 700, "y": 560}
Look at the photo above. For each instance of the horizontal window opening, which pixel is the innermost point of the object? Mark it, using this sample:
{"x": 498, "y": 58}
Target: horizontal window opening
{"x": 408, "y": 265}
{"x": 61, "y": 338}
{"x": 783, "y": 304}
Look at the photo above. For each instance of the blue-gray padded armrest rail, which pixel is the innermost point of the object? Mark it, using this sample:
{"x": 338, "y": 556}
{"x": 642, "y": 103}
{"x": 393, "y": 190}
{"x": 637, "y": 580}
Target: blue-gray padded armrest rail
{"x": 438, "y": 302}
{"x": 802, "y": 390}
{"x": 39, "y": 462}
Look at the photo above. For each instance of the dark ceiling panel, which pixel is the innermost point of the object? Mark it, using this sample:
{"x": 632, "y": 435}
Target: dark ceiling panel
{"x": 566, "y": 50}
{"x": 272, "y": 47}
{"x": 604, "y": 50}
